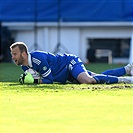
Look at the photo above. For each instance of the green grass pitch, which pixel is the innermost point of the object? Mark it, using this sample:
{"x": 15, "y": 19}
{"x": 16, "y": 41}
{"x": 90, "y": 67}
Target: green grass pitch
{"x": 66, "y": 108}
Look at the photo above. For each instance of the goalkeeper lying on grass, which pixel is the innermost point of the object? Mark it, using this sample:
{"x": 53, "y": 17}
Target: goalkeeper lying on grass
{"x": 44, "y": 67}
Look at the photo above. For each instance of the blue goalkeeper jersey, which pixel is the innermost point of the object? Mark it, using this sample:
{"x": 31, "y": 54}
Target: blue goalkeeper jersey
{"x": 52, "y": 68}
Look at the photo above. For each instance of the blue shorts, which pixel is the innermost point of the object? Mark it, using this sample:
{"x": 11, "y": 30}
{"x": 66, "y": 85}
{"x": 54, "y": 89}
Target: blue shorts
{"x": 76, "y": 67}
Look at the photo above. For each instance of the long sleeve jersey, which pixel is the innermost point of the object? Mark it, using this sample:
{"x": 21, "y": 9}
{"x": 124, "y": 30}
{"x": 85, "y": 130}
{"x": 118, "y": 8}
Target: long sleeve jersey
{"x": 52, "y": 68}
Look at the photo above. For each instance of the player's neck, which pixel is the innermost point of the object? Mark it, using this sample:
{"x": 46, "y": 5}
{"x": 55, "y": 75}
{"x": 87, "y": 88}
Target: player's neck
{"x": 25, "y": 62}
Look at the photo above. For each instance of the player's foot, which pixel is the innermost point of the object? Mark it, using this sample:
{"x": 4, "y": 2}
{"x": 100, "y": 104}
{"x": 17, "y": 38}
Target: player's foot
{"x": 126, "y": 79}
{"x": 129, "y": 69}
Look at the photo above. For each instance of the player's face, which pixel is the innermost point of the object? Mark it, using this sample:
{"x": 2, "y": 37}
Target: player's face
{"x": 17, "y": 56}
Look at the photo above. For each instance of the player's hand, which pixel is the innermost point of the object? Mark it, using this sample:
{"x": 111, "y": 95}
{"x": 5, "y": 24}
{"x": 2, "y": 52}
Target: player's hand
{"x": 26, "y": 78}
{"x": 34, "y": 73}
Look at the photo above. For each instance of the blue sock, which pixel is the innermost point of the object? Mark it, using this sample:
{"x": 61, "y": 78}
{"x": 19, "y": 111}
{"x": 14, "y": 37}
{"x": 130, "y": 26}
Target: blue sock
{"x": 108, "y": 79}
{"x": 115, "y": 72}
{"x": 89, "y": 72}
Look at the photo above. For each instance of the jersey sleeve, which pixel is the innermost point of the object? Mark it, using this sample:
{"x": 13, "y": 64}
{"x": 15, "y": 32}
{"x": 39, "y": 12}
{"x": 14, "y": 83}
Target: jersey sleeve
{"x": 46, "y": 75}
{"x": 45, "y": 72}
{"x": 24, "y": 68}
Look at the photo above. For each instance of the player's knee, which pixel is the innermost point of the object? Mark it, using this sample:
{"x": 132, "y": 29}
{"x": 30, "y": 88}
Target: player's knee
{"x": 88, "y": 81}
{"x": 84, "y": 78}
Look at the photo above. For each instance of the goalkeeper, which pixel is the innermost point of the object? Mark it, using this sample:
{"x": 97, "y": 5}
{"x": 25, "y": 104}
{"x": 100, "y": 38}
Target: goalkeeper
{"x": 44, "y": 67}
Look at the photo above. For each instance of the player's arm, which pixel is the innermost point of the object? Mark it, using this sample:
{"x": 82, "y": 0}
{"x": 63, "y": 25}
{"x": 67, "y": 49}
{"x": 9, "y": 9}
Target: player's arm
{"x": 45, "y": 79}
{"x": 29, "y": 76}
{"x": 46, "y": 75}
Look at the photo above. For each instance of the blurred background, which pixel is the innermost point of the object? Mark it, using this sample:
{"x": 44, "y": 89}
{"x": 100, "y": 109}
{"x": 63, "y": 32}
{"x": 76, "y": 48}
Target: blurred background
{"x": 96, "y": 31}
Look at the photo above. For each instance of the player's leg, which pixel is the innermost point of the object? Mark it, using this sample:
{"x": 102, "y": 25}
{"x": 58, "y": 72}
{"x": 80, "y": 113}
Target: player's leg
{"x": 108, "y": 79}
{"x": 115, "y": 72}
{"x": 91, "y": 73}
{"x": 79, "y": 72}
{"x": 85, "y": 78}
{"x": 128, "y": 69}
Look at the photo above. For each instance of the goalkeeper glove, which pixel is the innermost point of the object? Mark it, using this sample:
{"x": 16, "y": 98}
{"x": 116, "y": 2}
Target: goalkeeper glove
{"x": 27, "y": 78}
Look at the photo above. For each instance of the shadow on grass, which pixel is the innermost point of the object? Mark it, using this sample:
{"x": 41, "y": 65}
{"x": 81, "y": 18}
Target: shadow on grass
{"x": 68, "y": 86}
{"x": 54, "y": 86}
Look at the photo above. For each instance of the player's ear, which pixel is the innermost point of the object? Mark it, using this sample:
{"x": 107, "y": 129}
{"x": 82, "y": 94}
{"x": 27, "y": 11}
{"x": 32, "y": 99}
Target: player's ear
{"x": 24, "y": 54}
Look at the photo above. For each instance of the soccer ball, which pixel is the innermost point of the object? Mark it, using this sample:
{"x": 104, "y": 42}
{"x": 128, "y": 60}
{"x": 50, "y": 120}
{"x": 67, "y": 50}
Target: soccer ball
{"x": 34, "y": 73}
